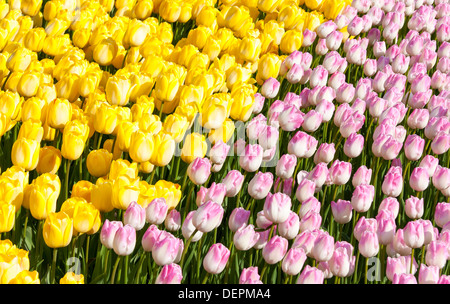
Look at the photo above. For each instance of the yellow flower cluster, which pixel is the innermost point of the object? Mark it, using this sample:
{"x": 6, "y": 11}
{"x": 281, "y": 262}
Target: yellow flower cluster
{"x": 15, "y": 265}
{"x": 139, "y": 72}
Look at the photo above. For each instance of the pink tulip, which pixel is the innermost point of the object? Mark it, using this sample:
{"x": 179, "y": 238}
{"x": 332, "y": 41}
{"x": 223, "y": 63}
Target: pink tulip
{"x": 124, "y": 240}
{"x": 219, "y": 152}
{"x": 173, "y": 220}
{"x": 267, "y": 139}
{"x": 151, "y": 236}
{"x": 286, "y": 165}
{"x": 108, "y": 232}
{"x": 323, "y": 248}
{"x": 238, "y": 218}
{"x": 340, "y": 263}
{"x": 370, "y": 67}
{"x": 342, "y": 211}
{"x": 251, "y": 160}
{"x": 340, "y": 172}
{"x": 325, "y": 153}
{"x": 311, "y": 121}
{"x": 134, "y": 216}
{"x": 293, "y": 262}
{"x": 295, "y": 73}
{"x": 208, "y": 216}
{"x": 245, "y": 237}
{"x": 442, "y": 214}
{"x": 260, "y": 185}
{"x": 326, "y": 109}
{"x": 364, "y": 224}
{"x": 419, "y": 179}
{"x": 354, "y": 145}
{"x": 310, "y": 275}
{"x": 362, "y": 175}
{"x": 368, "y": 244}
{"x": 188, "y": 228}
{"x": 270, "y": 88}
{"x": 250, "y": 276}
{"x": 259, "y": 103}
{"x": 170, "y": 274}
{"x": 414, "y": 146}
{"x": 392, "y": 184}
{"x": 165, "y": 250}
{"x": 261, "y": 220}
{"x": 321, "y": 47}
{"x": 289, "y": 228}
{"x": 385, "y": 227}
{"x": 302, "y": 145}
{"x": 216, "y": 259}
{"x": 362, "y": 197}
{"x": 319, "y": 174}
{"x": 428, "y": 274}
{"x": 233, "y": 183}
{"x": 275, "y": 250}
{"x": 310, "y": 204}
{"x": 431, "y": 163}
{"x": 216, "y": 193}
{"x": 199, "y": 170}
{"x": 305, "y": 240}
{"x": 390, "y": 204}
{"x": 310, "y": 221}
{"x": 319, "y": 76}
{"x": 277, "y": 207}
{"x": 413, "y": 234}
{"x": 404, "y": 278}
{"x": 308, "y": 37}
{"x": 336, "y": 80}
{"x": 440, "y": 143}
{"x": 394, "y": 266}
{"x": 156, "y": 211}
{"x": 437, "y": 254}
{"x": 414, "y": 207}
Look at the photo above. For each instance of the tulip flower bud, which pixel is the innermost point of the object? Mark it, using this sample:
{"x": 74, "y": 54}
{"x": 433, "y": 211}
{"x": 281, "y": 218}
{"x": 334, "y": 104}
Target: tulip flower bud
{"x": 277, "y": 207}
{"x": 199, "y": 170}
{"x": 362, "y": 176}
{"x": 249, "y": 276}
{"x": 216, "y": 258}
{"x": 368, "y": 244}
{"x": 414, "y": 234}
{"x": 441, "y": 178}
{"x": 290, "y": 119}
{"x": 260, "y": 185}
{"x": 156, "y": 211}
{"x": 252, "y": 157}
{"x": 436, "y": 254}
{"x": 134, "y": 216}
{"x": 340, "y": 172}
{"x": 392, "y": 184}
{"x": 289, "y": 228}
{"x": 165, "y": 250}
{"x": 170, "y": 274}
{"x": 310, "y": 221}
{"x": 286, "y": 165}
{"x": 342, "y": 211}
{"x": 124, "y": 240}
{"x": 419, "y": 179}
{"x": 173, "y": 220}
{"x": 362, "y": 197}
{"x": 442, "y": 214}
{"x": 275, "y": 250}
{"x": 293, "y": 262}
{"x": 238, "y": 218}
{"x": 208, "y": 216}
{"x": 305, "y": 190}
{"x": 414, "y": 207}
{"x": 233, "y": 182}
{"x": 323, "y": 247}
{"x": 310, "y": 275}
{"x": 245, "y": 237}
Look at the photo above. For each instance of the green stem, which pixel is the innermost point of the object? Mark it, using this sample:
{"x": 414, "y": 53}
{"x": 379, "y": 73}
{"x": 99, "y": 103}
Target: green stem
{"x": 206, "y": 278}
{"x": 116, "y": 265}
{"x": 55, "y": 254}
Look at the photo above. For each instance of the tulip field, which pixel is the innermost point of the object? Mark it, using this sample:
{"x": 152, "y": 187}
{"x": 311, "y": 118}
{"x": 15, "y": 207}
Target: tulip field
{"x": 224, "y": 142}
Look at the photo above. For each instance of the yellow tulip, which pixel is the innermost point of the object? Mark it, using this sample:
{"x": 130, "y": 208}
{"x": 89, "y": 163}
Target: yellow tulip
{"x": 136, "y": 33}
{"x": 44, "y": 192}
{"x": 124, "y": 131}
{"x": 143, "y": 105}
{"x": 98, "y": 162}
{"x": 214, "y": 112}
{"x": 105, "y": 119}
{"x": 194, "y": 146}
{"x": 34, "y": 39}
{"x": 268, "y": 66}
{"x": 75, "y": 135}
{"x": 56, "y": 45}
{"x": 250, "y": 49}
{"x": 124, "y": 191}
{"x": 31, "y": 129}
{"x": 121, "y": 167}
{"x": 223, "y": 133}
{"x": 101, "y": 195}
{"x": 86, "y": 218}
{"x": 72, "y": 278}
{"x": 58, "y": 230}
{"x": 82, "y": 189}
{"x": 141, "y": 146}
{"x": 49, "y": 160}
{"x": 118, "y": 90}
{"x": 314, "y": 4}
{"x": 7, "y": 216}
{"x": 166, "y": 86}
{"x": 68, "y": 87}
{"x": 143, "y": 9}
{"x": 10, "y": 104}
{"x": 171, "y": 192}
{"x": 176, "y": 125}
{"x": 25, "y": 153}
{"x": 26, "y": 277}
{"x": 105, "y": 51}
{"x": 30, "y": 7}
{"x": 243, "y": 101}
{"x": 146, "y": 167}
{"x": 170, "y": 10}
{"x": 291, "y": 41}
{"x": 59, "y": 113}
{"x": 164, "y": 149}
{"x": 9, "y": 268}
